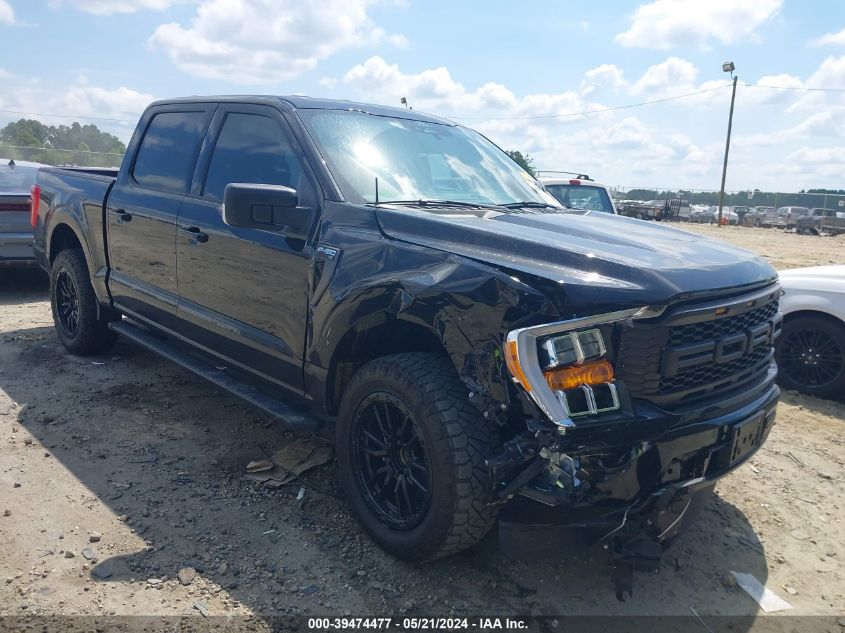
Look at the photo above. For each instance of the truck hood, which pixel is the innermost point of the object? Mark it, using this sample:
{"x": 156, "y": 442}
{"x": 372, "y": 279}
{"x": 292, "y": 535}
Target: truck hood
{"x": 596, "y": 257}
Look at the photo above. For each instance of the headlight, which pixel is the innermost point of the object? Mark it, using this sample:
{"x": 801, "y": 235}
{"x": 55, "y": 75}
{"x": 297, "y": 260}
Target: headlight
{"x": 564, "y": 366}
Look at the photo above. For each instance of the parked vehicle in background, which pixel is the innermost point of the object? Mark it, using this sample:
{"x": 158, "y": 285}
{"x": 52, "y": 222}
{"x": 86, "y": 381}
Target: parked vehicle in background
{"x": 485, "y": 356}
{"x": 640, "y": 210}
{"x": 791, "y": 214}
{"x": 675, "y": 210}
{"x": 834, "y": 225}
{"x": 728, "y": 215}
{"x": 775, "y": 218}
{"x": 16, "y": 180}
{"x": 811, "y": 348}
{"x": 820, "y": 220}
{"x": 756, "y": 216}
{"x": 740, "y": 212}
{"x": 578, "y": 193}
{"x": 696, "y": 211}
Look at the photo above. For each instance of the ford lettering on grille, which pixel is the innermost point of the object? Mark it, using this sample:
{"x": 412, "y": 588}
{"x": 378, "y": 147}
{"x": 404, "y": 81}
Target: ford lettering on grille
{"x": 719, "y": 351}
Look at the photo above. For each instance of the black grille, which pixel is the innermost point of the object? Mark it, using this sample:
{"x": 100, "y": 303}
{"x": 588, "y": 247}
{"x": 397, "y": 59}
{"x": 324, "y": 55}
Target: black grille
{"x": 712, "y": 373}
{"x": 709, "y": 330}
{"x": 640, "y": 362}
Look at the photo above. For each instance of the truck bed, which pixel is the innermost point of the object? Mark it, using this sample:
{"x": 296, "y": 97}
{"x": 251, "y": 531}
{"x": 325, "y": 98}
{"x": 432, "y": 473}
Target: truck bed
{"x": 76, "y": 197}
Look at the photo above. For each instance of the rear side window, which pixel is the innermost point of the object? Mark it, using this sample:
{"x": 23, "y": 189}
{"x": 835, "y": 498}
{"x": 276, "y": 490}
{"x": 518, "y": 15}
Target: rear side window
{"x": 253, "y": 149}
{"x": 168, "y": 152}
{"x": 582, "y": 197}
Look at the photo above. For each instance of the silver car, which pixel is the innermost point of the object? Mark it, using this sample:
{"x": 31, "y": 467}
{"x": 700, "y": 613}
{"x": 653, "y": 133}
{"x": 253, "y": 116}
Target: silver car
{"x": 16, "y": 180}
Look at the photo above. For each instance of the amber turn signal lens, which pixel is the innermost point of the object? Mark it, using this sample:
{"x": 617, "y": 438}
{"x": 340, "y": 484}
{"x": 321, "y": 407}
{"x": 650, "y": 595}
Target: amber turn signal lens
{"x": 512, "y": 361}
{"x": 591, "y": 373}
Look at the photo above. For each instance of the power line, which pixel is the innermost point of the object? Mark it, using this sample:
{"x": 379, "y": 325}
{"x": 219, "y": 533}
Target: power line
{"x": 69, "y": 116}
{"x": 597, "y": 111}
{"x": 59, "y": 149}
{"x": 794, "y": 88}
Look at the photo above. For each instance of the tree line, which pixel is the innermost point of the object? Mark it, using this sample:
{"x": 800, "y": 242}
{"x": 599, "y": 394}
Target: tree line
{"x": 74, "y": 144}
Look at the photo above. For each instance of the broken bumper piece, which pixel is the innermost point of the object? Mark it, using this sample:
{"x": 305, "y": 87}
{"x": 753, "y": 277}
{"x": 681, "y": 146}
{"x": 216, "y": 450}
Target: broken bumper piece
{"x": 635, "y": 500}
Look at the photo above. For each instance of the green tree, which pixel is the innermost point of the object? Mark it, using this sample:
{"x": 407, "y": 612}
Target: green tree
{"x": 28, "y": 139}
{"x": 523, "y": 160}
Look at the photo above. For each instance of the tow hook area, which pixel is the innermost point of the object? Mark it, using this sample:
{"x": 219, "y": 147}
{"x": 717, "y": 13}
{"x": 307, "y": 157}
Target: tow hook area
{"x": 644, "y": 532}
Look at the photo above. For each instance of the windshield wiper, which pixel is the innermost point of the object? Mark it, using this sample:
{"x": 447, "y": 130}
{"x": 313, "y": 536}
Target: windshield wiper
{"x": 528, "y": 205}
{"x": 435, "y": 203}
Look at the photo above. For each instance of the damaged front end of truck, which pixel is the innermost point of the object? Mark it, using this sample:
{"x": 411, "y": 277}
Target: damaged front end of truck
{"x": 630, "y": 418}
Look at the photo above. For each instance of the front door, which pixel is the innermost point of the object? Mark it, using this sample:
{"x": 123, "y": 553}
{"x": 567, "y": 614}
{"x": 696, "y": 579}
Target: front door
{"x": 142, "y": 211}
{"x": 243, "y": 293}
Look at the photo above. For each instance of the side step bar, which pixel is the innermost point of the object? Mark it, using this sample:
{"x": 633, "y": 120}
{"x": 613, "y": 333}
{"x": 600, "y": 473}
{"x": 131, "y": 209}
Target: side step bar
{"x": 288, "y": 416}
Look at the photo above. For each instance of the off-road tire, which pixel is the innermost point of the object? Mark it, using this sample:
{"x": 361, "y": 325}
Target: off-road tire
{"x": 92, "y": 335}
{"x": 834, "y": 333}
{"x": 457, "y": 441}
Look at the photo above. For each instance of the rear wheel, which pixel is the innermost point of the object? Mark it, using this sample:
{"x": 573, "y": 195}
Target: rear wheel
{"x": 811, "y": 356}
{"x": 81, "y": 328}
{"x": 411, "y": 451}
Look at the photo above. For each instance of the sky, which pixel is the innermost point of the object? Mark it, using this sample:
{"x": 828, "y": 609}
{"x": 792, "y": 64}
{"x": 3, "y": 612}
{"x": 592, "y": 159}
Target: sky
{"x": 551, "y": 79}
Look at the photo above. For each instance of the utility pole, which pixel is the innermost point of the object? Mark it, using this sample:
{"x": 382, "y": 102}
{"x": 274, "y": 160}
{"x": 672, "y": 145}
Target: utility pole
{"x": 727, "y": 67}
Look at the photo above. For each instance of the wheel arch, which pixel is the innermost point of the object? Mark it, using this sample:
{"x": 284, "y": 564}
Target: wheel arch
{"x": 374, "y": 337}
{"x": 63, "y": 237}
{"x": 819, "y": 311}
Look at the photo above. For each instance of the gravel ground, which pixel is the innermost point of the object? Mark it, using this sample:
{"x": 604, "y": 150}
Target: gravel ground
{"x": 119, "y": 471}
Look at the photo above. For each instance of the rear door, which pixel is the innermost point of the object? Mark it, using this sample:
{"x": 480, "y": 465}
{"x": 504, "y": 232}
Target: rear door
{"x": 143, "y": 206}
{"x": 243, "y": 293}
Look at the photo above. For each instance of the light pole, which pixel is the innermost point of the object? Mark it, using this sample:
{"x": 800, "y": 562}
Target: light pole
{"x": 728, "y": 67}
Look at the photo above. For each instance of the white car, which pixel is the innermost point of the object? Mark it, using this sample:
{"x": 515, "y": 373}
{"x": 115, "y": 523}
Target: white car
{"x": 580, "y": 193}
{"x": 811, "y": 348}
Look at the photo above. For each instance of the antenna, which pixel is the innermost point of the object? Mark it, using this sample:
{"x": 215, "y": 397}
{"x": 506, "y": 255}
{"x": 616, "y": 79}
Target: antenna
{"x": 376, "y": 190}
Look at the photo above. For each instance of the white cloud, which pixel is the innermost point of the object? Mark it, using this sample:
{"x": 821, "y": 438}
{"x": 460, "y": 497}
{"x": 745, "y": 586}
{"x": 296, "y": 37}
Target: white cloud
{"x": 267, "y": 41}
{"x": 112, "y": 109}
{"x": 5, "y": 74}
{"x": 109, "y": 7}
{"x": 671, "y": 77}
{"x": 682, "y": 147}
{"x": 604, "y": 76}
{"x": 7, "y": 14}
{"x": 830, "y": 74}
{"x": 663, "y": 24}
{"x": 837, "y": 39}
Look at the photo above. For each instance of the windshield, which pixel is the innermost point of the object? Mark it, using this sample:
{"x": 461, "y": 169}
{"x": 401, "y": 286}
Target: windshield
{"x": 416, "y": 160}
{"x": 582, "y": 197}
{"x": 17, "y": 179}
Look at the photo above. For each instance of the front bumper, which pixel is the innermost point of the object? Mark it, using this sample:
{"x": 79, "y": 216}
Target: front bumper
{"x": 651, "y": 496}
{"x": 16, "y": 250}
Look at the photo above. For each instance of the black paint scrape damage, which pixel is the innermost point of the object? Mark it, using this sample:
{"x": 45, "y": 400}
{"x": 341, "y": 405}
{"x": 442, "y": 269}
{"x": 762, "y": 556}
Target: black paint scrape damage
{"x": 633, "y": 478}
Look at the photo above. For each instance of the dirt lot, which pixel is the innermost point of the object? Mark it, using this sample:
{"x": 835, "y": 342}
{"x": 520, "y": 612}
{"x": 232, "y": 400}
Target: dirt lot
{"x": 151, "y": 458}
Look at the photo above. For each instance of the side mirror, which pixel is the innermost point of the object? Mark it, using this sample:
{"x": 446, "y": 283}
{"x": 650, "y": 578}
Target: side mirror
{"x": 268, "y": 207}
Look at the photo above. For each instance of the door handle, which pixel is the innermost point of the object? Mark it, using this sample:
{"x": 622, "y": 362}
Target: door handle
{"x": 122, "y": 215}
{"x": 197, "y": 236}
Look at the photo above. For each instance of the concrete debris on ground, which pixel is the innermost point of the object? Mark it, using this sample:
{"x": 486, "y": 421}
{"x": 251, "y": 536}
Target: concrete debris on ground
{"x": 186, "y": 575}
{"x": 90, "y": 553}
{"x": 768, "y": 600}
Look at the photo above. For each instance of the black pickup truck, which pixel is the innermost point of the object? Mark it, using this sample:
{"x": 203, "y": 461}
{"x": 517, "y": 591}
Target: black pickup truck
{"x": 483, "y": 354}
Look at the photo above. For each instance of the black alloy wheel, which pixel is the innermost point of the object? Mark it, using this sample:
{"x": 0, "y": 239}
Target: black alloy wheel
{"x": 411, "y": 450}
{"x": 392, "y": 468}
{"x": 81, "y": 323}
{"x": 67, "y": 303}
{"x": 811, "y": 356}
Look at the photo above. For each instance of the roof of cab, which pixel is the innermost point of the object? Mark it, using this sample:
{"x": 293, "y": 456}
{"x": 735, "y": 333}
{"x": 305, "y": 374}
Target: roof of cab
{"x": 301, "y": 102}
